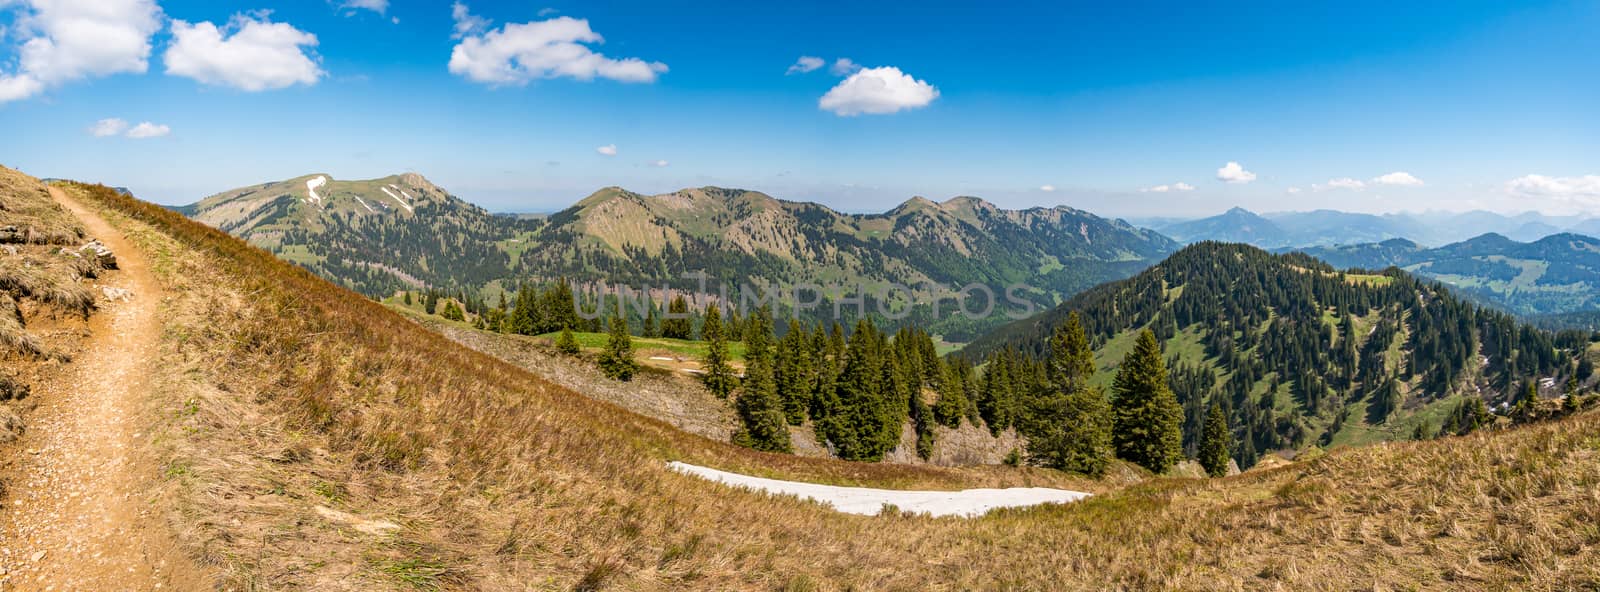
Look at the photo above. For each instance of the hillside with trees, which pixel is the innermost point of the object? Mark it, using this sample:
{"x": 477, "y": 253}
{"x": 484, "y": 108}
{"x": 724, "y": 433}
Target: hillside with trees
{"x": 1294, "y": 353}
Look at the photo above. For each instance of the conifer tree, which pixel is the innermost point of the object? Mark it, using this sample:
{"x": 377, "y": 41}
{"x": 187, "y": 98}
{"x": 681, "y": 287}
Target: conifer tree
{"x": 408, "y": 297}
{"x": 952, "y": 403}
{"x": 1585, "y": 367}
{"x": 651, "y": 327}
{"x": 567, "y": 343}
{"x": 795, "y": 382}
{"x": 1215, "y": 442}
{"x": 1147, "y": 420}
{"x": 616, "y": 361}
{"x": 1069, "y": 423}
{"x": 758, "y": 405}
{"x": 1569, "y": 403}
{"x": 677, "y": 328}
{"x": 718, "y": 376}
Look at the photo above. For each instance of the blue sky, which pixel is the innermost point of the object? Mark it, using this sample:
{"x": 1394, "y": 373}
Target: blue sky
{"x": 1359, "y": 106}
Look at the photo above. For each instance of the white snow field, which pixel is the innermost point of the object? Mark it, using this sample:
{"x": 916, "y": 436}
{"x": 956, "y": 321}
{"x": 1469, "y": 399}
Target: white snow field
{"x": 868, "y": 502}
{"x": 311, "y": 188}
{"x": 397, "y": 199}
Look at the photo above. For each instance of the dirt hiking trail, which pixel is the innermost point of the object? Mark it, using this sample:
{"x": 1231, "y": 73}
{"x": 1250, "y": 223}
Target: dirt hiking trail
{"x": 76, "y": 516}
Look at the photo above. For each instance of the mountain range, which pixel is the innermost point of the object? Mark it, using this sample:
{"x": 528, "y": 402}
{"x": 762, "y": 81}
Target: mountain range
{"x": 1559, "y": 273}
{"x": 380, "y": 235}
{"x": 1322, "y": 228}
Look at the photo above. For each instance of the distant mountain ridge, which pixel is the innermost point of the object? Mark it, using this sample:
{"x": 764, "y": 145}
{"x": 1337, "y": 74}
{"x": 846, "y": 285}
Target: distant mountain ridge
{"x": 1557, "y": 274}
{"x": 1325, "y": 228}
{"x": 362, "y": 234}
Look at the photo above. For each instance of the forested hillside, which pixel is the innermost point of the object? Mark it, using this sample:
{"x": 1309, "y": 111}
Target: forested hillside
{"x": 374, "y": 236}
{"x": 1297, "y": 353}
{"x": 1557, "y": 274}
{"x": 403, "y": 232}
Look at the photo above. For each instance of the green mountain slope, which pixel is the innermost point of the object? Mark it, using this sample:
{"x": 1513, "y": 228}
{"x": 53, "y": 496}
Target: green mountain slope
{"x": 374, "y": 236}
{"x": 385, "y": 234}
{"x": 1301, "y": 354}
{"x": 1556, "y": 274}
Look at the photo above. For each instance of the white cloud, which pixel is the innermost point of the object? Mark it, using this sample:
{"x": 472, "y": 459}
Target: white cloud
{"x": 250, "y": 53}
{"x": 148, "y": 130}
{"x": 1293, "y": 190}
{"x": 1180, "y": 186}
{"x": 67, "y": 40}
{"x": 658, "y": 163}
{"x": 1047, "y": 188}
{"x": 547, "y": 11}
{"x": 844, "y": 67}
{"x": 878, "y": 91}
{"x": 466, "y": 23}
{"x": 520, "y": 52}
{"x": 1341, "y": 183}
{"x": 1401, "y": 178}
{"x": 1233, "y": 172}
{"x": 1584, "y": 189}
{"x": 607, "y": 150}
{"x": 805, "y": 64}
{"x": 378, "y": 6}
{"x": 107, "y": 127}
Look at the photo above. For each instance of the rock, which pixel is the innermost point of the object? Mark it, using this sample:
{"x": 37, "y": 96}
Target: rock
{"x": 10, "y": 425}
{"x": 114, "y": 294}
{"x": 100, "y": 253}
{"x": 37, "y": 555}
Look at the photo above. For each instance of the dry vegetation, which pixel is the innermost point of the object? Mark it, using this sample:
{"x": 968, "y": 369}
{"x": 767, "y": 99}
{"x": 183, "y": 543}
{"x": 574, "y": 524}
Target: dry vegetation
{"x": 314, "y": 439}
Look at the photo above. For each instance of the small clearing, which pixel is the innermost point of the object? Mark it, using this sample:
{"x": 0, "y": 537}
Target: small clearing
{"x": 868, "y": 501}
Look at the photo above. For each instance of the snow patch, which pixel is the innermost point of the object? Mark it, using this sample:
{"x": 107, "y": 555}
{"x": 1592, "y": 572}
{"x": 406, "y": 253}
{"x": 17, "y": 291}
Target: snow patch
{"x": 868, "y": 501}
{"x": 364, "y": 204}
{"x": 397, "y": 199}
{"x": 311, "y": 188}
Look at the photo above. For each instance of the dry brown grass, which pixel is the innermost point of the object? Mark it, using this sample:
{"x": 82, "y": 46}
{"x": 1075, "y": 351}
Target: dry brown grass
{"x": 29, "y": 216}
{"x": 284, "y": 393}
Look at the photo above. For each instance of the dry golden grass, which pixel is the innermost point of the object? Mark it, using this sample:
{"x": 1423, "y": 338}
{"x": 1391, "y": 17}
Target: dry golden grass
{"x": 285, "y": 394}
{"x": 29, "y": 216}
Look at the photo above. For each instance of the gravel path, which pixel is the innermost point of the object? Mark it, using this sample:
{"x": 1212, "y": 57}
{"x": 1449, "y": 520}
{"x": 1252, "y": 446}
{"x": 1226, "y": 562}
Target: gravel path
{"x": 74, "y": 518}
{"x": 868, "y": 501}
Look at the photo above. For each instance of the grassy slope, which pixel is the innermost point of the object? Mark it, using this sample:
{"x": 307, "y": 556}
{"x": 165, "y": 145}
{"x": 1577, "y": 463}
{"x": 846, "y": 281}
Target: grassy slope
{"x": 289, "y": 393}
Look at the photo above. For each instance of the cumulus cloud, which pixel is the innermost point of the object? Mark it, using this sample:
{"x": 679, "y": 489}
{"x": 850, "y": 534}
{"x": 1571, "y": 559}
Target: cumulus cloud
{"x": 1180, "y": 186}
{"x": 466, "y": 23}
{"x": 378, "y": 6}
{"x": 844, "y": 67}
{"x": 1583, "y": 189}
{"x": 658, "y": 163}
{"x": 1047, "y": 188}
{"x": 148, "y": 130}
{"x": 67, "y": 40}
{"x": 1341, "y": 183}
{"x": 1401, "y": 178}
{"x": 878, "y": 91}
{"x": 250, "y": 54}
{"x": 607, "y": 150}
{"x": 805, "y": 64}
{"x": 107, "y": 127}
{"x": 1233, "y": 172}
{"x": 520, "y": 52}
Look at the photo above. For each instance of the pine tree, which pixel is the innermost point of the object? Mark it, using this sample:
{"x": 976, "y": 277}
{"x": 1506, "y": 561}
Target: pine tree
{"x": 1421, "y": 432}
{"x": 952, "y": 403}
{"x": 795, "y": 381}
{"x": 1528, "y": 404}
{"x": 567, "y": 343}
{"x": 1569, "y": 403}
{"x": 616, "y": 361}
{"x": 1147, "y": 420}
{"x": 677, "y": 328}
{"x": 1069, "y": 424}
{"x": 1585, "y": 367}
{"x": 718, "y": 376}
{"x": 651, "y": 327}
{"x": 408, "y": 297}
{"x": 758, "y": 405}
{"x": 1215, "y": 442}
